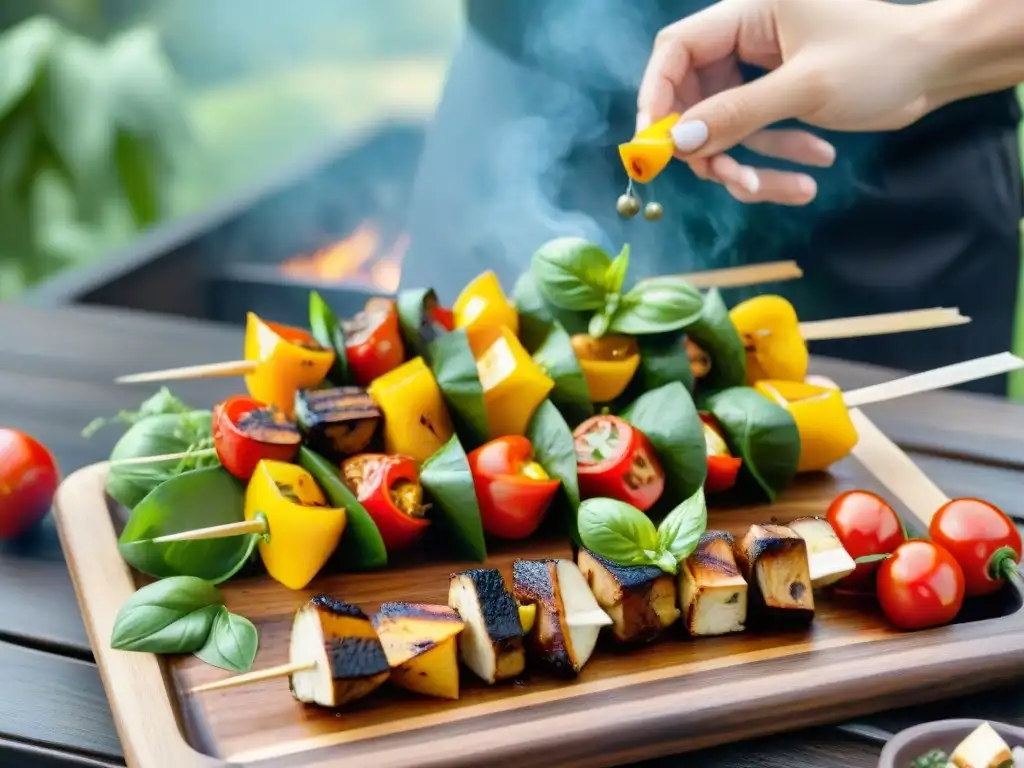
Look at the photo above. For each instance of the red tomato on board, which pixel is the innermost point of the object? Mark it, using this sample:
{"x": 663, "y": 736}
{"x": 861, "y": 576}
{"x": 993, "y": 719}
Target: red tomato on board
{"x": 921, "y": 585}
{"x": 866, "y": 525}
{"x": 29, "y": 477}
{"x": 513, "y": 490}
{"x": 982, "y": 539}
{"x": 246, "y": 431}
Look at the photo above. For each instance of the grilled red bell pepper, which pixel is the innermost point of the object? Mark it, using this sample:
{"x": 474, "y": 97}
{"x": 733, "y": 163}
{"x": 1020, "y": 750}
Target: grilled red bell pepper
{"x": 373, "y": 341}
{"x": 513, "y": 490}
{"x": 723, "y": 467}
{"x": 388, "y": 486}
{"x": 245, "y": 431}
{"x": 617, "y": 461}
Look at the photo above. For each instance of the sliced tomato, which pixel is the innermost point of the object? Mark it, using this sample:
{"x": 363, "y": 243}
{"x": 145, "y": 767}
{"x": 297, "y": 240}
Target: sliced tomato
{"x": 617, "y": 461}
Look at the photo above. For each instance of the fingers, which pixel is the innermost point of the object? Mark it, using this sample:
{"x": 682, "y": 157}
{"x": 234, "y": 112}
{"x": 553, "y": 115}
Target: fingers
{"x": 800, "y": 147}
{"x": 759, "y": 185}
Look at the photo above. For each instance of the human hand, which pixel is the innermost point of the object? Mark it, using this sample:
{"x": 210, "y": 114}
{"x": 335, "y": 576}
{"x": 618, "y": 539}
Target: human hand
{"x": 848, "y": 65}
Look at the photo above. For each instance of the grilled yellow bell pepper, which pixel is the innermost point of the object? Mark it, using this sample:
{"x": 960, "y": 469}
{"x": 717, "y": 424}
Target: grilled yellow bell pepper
{"x": 289, "y": 359}
{"x": 770, "y": 331}
{"x": 514, "y": 385}
{"x": 608, "y": 364}
{"x": 483, "y": 302}
{"x": 416, "y": 421}
{"x": 826, "y": 432}
{"x": 302, "y": 530}
{"x": 650, "y": 150}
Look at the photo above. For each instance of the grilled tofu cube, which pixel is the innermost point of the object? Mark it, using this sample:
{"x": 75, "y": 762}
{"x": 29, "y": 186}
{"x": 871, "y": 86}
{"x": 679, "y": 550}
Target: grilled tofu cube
{"x": 337, "y": 422}
{"x": 420, "y": 642}
{"x": 491, "y": 644}
{"x": 828, "y": 560}
{"x": 639, "y": 599}
{"x": 568, "y": 619}
{"x": 341, "y": 644}
{"x": 773, "y": 559}
{"x": 712, "y": 592}
{"x": 983, "y": 748}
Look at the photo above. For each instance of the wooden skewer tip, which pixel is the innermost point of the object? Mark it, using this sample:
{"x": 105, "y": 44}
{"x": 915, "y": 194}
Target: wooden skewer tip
{"x": 260, "y": 675}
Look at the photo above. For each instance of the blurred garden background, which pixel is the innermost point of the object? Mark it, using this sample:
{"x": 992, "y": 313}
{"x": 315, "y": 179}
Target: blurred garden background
{"x": 119, "y": 114}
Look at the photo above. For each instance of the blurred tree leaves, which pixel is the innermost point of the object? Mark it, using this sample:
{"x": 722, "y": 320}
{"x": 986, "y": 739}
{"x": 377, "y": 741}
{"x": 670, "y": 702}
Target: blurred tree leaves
{"x": 85, "y": 128}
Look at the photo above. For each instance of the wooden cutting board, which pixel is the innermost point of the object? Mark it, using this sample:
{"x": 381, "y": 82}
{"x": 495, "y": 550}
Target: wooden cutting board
{"x": 676, "y": 695}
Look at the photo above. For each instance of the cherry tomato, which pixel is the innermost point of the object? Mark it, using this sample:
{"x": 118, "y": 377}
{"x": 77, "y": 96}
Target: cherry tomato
{"x": 373, "y": 341}
{"x": 984, "y": 541}
{"x": 866, "y": 525}
{"x": 245, "y": 431}
{"x": 617, "y": 461}
{"x": 28, "y": 479}
{"x": 513, "y": 490}
{"x": 920, "y": 585}
{"x": 388, "y": 487}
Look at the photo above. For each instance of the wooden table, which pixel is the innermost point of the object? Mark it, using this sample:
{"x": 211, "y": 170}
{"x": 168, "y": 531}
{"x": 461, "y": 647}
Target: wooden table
{"x": 57, "y": 374}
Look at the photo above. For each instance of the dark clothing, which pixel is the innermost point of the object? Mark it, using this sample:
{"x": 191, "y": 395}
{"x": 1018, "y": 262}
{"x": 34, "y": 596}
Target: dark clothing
{"x": 523, "y": 150}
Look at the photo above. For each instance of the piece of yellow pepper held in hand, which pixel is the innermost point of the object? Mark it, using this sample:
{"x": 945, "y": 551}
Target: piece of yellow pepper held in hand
{"x": 290, "y": 359}
{"x": 483, "y": 302}
{"x": 649, "y": 151}
{"x": 514, "y": 385}
{"x": 608, "y": 364}
{"x": 302, "y": 530}
{"x": 416, "y": 421}
{"x": 827, "y": 434}
{"x": 770, "y": 331}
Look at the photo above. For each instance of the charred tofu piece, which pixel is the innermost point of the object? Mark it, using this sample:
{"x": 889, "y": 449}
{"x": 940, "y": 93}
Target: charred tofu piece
{"x": 712, "y": 592}
{"x": 337, "y": 422}
{"x": 345, "y": 656}
{"x": 828, "y": 559}
{"x": 983, "y": 748}
{"x": 420, "y": 642}
{"x": 568, "y": 619}
{"x": 491, "y": 644}
{"x": 639, "y": 599}
{"x": 773, "y": 559}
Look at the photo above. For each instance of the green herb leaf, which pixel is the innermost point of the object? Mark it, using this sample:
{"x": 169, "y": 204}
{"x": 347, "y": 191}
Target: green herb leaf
{"x": 446, "y": 477}
{"x": 761, "y": 433}
{"x": 616, "y": 275}
{"x": 419, "y": 330}
{"x": 196, "y": 499}
{"x": 558, "y": 359}
{"x": 666, "y": 561}
{"x": 571, "y": 273}
{"x": 618, "y": 531}
{"x": 454, "y": 367}
{"x": 537, "y": 314}
{"x": 657, "y": 305}
{"x": 600, "y": 322}
{"x": 231, "y": 644}
{"x": 555, "y": 450}
{"x": 327, "y": 330}
{"x": 682, "y": 528}
{"x": 669, "y": 418}
{"x": 663, "y": 360}
{"x": 173, "y": 615}
{"x": 872, "y": 558}
{"x": 162, "y": 402}
{"x": 714, "y": 332}
{"x": 361, "y": 544}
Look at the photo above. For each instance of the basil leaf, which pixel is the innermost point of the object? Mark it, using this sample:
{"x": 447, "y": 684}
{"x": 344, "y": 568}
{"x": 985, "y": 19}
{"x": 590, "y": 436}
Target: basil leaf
{"x": 197, "y": 499}
{"x": 599, "y": 324}
{"x": 454, "y": 367}
{"x": 231, "y": 644}
{"x": 663, "y": 360}
{"x": 419, "y": 329}
{"x": 681, "y": 529}
{"x": 361, "y": 544}
{"x": 536, "y": 314}
{"x": 761, "y": 433}
{"x": 446, "y": 477}
{"x": 615, "y": 278}
{"x": 555, "y": 450}
{"x": 714, "y": 332}
{"x": 669, "y": 418}
{"x": 173, "y": 615}
{"x": 558, "y": 359}
{"x": 571, "y": 273}
{"x": 164, "y": 401}
{"x": 656, "y": 305}
{"x": 327, "y": 330}
{"x": 618, "y": 531}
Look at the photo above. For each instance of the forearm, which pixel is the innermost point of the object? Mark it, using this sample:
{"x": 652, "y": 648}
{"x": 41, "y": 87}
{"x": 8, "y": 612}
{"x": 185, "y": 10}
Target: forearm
{"x": 978, "y": 47}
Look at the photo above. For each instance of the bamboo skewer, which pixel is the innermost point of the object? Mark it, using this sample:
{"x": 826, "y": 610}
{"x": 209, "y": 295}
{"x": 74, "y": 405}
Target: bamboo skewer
{"x": 735, "y": 277}
{"x": 205, "y": 371}
{"x": 883, "y": 323}
{"x": 164, "y": 457}
{"x": 271, "y": 673}
{"x": 215, "y": 532}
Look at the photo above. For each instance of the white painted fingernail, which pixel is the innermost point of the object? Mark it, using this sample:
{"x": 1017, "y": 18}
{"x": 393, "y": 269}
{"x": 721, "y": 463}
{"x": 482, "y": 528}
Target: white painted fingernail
{"x": 690, "y": 135}
{"x": 807, "y": 185}
{"x": 643, "y": 120}
{"x": 750, "y": 180}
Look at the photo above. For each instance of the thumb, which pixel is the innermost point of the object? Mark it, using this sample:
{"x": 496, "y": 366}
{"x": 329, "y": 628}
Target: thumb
{"x": 728, "y": 118}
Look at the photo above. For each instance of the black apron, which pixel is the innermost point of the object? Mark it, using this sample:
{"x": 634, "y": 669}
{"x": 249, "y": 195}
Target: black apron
{"x": 522, "y": 149}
